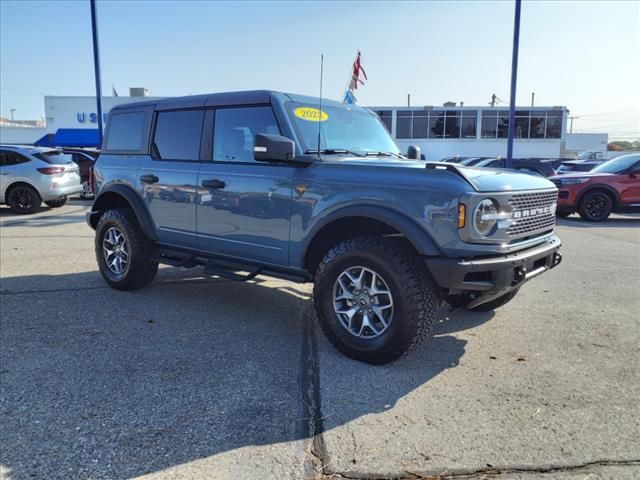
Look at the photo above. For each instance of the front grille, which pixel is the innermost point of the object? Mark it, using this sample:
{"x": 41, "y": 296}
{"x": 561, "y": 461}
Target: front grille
{"x": 531, "y": 221}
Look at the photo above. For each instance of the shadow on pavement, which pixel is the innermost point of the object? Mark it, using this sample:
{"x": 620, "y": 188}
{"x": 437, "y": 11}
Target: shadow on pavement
{"x": 104, "y": 384}
{"x": 616, "y": 222}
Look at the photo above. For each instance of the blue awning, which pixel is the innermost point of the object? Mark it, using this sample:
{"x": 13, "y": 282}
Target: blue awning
{"x": 70, "y": 137}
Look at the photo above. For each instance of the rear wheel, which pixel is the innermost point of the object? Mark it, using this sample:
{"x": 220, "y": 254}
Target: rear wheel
{"x": 374, "y": 299}
{"x": 56, "y": 203}
{"x": 495, "y": 303}
{"x": 595, "y": 206}
{"x": 23, "y": 199}
{"x": 123, "y": 252}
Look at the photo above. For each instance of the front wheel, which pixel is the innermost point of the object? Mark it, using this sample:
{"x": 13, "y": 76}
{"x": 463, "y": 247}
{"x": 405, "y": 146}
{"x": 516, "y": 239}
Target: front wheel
{"x": 123, "y": 252}
{"x": 595, "y": 206}
{"x": 374, "y": 299}
{"x": 56, "y": 203}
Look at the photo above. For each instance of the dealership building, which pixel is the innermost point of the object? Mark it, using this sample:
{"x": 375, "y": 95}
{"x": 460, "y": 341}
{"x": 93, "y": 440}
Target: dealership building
{"x": 439, "y": 131}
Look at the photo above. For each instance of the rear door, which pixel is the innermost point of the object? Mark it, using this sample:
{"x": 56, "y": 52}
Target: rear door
{"x": 244, "y": 206}
{"x": 168, "y": 176}
{"x": 629, "y": 186}
{"x": 13, "y": 167}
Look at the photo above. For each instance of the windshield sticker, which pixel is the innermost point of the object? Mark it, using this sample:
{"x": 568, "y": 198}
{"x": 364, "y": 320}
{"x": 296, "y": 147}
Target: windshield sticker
{"x": 310, "y": 114}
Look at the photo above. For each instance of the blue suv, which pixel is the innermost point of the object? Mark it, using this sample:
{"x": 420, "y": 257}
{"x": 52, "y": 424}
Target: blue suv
{"x": 269, "y": 183}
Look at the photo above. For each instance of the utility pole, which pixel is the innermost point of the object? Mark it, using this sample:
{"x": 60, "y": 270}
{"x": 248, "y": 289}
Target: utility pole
{"x": 11, "y": 110}
{"x": 96, "y": 68}
{"x": 493, "y": 100}
{"x": 514, "y": 76}
{"x": 533, "y": 95}
{"x": 408, "y": 99}
{"x": 571, "y": 117}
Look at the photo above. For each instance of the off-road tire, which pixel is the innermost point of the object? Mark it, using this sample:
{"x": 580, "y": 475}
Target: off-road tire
{"x": 411, "y": 286}
{"x": 496, "y": 302}
{"x": 23, "y": 199}
{"x": 140, "y": 269}
{"x": 587, "y": 213}
{"x": 56, "y": 203}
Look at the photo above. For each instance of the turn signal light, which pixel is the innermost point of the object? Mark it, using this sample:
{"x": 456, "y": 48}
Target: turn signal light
{"x": 462, "y": 213}
{"x": 51, "y": 170}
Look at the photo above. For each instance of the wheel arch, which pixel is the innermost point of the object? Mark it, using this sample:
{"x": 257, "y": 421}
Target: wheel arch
{"x": 122, "y": 196}
{"x": 15, "y": 184}
{"x": 350, "y": 222}
{"x": 612, "y": 192}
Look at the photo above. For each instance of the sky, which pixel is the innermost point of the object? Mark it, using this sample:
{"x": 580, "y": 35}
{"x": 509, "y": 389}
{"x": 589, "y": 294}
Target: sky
{"x": 581, "y": 54}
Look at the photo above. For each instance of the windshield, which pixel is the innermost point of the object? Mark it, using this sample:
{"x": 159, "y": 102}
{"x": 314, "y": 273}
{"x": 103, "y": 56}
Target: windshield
{"x": 346, "y": 127}
{"x": 617, "y": 165}
{"x": 53, "y": 157}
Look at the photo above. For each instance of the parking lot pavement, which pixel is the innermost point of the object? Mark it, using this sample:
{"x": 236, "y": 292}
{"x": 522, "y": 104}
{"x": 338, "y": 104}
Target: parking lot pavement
{"x": 198, "y": 377}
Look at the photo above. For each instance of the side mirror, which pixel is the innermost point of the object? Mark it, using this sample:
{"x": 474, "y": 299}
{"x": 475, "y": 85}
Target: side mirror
{"x": 273, "y": 148}
{"x": 414, "y": 152}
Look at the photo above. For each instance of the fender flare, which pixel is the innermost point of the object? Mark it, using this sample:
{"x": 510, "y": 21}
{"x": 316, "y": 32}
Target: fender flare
{"x": 600, "y": 186}
{"x": 417, "y": 236}
{"x": 138, "y": 206}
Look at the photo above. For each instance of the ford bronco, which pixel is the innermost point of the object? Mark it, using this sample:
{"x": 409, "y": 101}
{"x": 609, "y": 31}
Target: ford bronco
{"x": 261, "y": 182}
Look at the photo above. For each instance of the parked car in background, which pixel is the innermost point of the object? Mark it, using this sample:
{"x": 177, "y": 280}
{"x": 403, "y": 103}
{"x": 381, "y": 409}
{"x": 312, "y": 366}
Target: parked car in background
{"x": 534, "y": 166}
{"x": 85, "y": 159}
{"x": 578, "y": 166}
{"x": 32, "y": 175}
{"x": 613, "y": 186}
{"x": 471, "y": 161}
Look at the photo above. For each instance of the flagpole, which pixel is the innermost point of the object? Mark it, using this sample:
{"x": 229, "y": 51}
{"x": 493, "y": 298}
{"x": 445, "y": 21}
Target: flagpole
{"x": 350, "y": 75}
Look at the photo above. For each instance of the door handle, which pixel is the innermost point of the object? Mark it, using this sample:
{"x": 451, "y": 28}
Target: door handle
{"x": 214, "y": 184}
{"x": 149, "y": 179}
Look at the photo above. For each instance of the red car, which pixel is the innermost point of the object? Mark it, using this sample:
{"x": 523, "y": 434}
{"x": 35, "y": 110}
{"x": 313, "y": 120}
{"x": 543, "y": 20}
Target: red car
{"x": 613, "y": 186}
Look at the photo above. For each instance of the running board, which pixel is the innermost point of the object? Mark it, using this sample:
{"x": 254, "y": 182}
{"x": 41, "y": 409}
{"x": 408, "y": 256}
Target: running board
{"x": 227, "y": 269}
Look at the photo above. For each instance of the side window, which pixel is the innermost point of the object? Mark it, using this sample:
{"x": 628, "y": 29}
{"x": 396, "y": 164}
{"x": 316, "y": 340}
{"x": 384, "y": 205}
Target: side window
{"x": 235, "y": 130}
{"x": 125, "y": 131}
{"x": 4, "y": 159}
{"x": 8, "y": 159}
{"x": 177, "y": 135}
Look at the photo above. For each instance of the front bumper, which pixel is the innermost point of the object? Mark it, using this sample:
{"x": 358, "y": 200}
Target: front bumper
{"x": 478, "y": 281}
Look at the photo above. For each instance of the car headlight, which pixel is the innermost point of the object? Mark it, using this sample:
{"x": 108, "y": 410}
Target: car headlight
{"x": 486, "y": 216}
{"x": 573, "y": 181}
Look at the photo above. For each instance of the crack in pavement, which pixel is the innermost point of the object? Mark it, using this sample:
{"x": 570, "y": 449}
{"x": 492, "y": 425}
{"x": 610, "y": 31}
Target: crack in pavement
{"x": 486, "y": 472}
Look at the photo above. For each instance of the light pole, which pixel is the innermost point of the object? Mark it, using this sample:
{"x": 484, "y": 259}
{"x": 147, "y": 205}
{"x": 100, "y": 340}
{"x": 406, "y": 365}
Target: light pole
{"x": 11, "y": 110}
{"x": 514, "y": 75}
{"x": 96, "y": 67}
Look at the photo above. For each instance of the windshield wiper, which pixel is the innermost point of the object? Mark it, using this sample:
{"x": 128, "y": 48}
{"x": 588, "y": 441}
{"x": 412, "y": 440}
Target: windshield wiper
{"x": 334, "y": 151}
{"x": 383, "y": 154}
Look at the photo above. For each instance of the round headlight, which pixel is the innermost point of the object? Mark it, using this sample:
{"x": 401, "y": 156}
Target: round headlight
{"x": 485, "y": 216}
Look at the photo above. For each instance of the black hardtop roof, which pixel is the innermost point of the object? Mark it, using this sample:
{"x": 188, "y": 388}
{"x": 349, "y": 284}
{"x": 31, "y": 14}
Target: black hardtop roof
{"x": 247, "y": 97}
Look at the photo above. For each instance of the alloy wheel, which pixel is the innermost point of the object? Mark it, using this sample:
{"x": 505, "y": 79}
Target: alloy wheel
{"x": 363, "y": 302}
{"x": 115, "y": 251}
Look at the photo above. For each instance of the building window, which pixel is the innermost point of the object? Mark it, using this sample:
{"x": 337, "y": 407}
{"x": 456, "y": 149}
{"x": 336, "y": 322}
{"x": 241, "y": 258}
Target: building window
{"x": 420, "y": 124}
{"x": 537, "y": 125}
{"x": 452, "y": 124}
{"x": 489, "y": 124}
{"x": 385, "y": 118}
{"x": 177, "y": 135}
{"x": 521, "y": 124}
{"x": 469, "y": 124}
{"x": 503, "y": 124}
{"x": 436, "y": 123}
{"x": 554, "y": 124}
{"x": 403, "y": 124}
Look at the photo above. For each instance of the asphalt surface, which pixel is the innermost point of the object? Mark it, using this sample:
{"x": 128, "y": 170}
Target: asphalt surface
{"x": 198, "y": 377}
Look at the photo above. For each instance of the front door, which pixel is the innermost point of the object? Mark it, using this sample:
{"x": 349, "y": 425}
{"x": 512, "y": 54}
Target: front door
{"x": 169, "y": 177}
{"x": 244, "y": 206}
{"x": 629, "y": 184}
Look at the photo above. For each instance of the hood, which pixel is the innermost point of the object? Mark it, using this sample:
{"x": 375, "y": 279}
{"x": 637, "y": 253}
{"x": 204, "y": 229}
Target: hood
{"x": 481, "y": 179}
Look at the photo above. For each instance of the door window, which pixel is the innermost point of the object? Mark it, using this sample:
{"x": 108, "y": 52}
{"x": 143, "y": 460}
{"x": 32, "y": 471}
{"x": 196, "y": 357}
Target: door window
{"x": 8, "y": 159}
{"x": 235, "y": 130}
{"x": 177, "y": 135}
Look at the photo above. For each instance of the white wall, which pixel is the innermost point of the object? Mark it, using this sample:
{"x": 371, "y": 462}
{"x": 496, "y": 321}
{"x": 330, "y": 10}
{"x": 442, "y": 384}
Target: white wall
{"x": 595, "y": 142}
{"x": 20, "y": 135}
{"x": 67, "y": 112}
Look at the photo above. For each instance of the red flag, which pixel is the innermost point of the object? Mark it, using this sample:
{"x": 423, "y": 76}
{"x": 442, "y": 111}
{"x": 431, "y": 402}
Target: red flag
{"x": 355, "y": 75}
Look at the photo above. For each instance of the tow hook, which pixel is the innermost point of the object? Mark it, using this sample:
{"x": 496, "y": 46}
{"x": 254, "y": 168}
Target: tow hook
{"x": 519, "y": 275}
{"x": 557, "y": 258}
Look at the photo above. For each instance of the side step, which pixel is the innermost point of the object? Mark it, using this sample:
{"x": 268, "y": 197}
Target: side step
{"x": 228, "y": 269}
{"x": 175, "y": 259}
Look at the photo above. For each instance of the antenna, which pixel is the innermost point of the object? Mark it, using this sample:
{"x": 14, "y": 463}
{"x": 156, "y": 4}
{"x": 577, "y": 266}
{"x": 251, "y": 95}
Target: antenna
{"x": 320, "y": 113}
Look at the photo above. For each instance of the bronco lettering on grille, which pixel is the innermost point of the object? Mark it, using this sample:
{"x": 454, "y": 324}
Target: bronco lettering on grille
{"x": 532, "y": 212}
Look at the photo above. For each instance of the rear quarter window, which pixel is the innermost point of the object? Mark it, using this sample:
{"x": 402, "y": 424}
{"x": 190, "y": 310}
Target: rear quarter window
{"x": 126, "y": 132}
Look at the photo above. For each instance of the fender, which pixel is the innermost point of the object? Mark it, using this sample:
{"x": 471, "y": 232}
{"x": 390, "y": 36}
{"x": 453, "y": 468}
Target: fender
{"x": 418, "y": 237}
{"x": 130, "y": 196}
{"x": 600, "y": 186}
